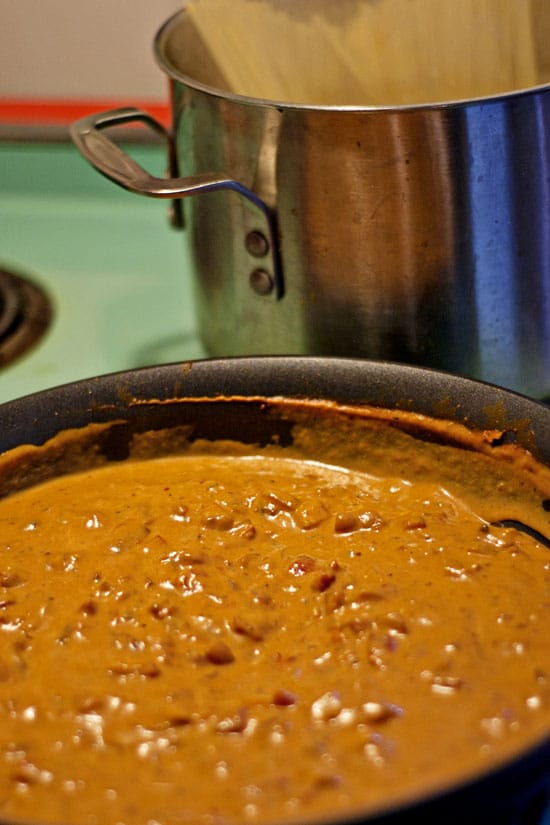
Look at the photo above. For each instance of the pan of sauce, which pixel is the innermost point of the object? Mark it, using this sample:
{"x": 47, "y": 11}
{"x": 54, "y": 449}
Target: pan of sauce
{"x": 274, "y": 590}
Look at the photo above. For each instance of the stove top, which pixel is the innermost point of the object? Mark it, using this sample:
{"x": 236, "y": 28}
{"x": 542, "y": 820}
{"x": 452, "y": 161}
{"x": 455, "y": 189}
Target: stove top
{"x": 25, "y": 313}
{"x": 113, "y": 277}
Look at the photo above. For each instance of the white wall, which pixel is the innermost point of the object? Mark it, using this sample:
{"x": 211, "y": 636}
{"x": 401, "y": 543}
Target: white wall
{"x": 78, "y": 49}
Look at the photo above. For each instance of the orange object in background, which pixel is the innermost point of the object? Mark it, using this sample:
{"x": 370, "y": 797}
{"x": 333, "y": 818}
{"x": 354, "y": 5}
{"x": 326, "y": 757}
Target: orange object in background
{"x": 29, "y": 115}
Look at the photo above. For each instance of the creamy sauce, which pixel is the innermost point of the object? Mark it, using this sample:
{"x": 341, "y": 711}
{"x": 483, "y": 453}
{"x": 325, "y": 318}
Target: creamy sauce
{"x": 230, "y": 638}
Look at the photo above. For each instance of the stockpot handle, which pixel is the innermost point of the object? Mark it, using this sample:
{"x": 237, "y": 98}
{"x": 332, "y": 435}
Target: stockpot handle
{"x": 110, "y": 160}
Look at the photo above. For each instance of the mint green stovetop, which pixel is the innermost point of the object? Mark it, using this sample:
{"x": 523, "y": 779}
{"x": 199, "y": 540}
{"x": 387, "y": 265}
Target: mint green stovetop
{"x": 117, "y": 274}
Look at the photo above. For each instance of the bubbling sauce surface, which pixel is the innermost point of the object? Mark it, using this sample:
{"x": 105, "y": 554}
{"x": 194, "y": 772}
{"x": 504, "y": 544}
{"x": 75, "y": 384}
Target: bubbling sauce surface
{"x": 242, "y": 638}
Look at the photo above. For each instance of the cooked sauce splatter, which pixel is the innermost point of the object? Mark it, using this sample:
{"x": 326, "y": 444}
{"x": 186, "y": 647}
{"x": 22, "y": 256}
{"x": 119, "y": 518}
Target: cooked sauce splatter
{"x": 215, "y": 639}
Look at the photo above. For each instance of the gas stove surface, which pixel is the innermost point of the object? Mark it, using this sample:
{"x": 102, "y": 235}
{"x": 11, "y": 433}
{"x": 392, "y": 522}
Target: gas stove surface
{"x": 116, "y": 275}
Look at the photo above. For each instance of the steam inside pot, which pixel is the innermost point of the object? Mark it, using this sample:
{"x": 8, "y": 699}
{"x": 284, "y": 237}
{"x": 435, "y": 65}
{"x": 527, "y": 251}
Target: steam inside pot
{"x": 372, "y": 52}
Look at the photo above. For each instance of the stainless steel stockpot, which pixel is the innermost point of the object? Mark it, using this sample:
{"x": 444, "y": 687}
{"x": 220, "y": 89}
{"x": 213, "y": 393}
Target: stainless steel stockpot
{"x": 418, "y": 233}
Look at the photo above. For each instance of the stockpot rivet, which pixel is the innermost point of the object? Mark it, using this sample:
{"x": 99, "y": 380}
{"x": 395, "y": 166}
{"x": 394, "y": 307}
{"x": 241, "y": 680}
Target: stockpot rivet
{"x": 261, "y": 282}
{"x": 257, "y": 244}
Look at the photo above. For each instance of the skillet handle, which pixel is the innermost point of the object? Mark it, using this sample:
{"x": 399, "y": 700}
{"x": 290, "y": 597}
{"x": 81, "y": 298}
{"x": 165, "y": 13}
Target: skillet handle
{"x": 110, "y": 160}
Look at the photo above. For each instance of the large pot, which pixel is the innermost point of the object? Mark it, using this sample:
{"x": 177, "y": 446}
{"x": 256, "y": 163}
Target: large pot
{"x": 151, "y": 399}
{"x": 414, "y": 232}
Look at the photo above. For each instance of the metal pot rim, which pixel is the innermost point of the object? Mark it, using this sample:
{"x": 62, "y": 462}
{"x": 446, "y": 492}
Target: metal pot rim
{"x": 167, "y": 66}
{"x": 432, "y": 392}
